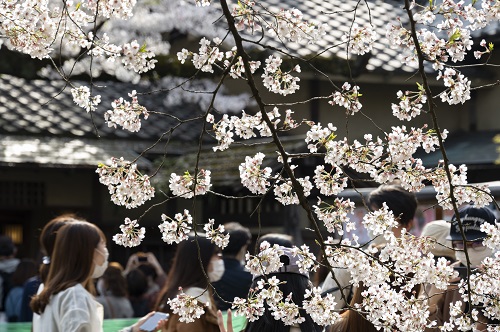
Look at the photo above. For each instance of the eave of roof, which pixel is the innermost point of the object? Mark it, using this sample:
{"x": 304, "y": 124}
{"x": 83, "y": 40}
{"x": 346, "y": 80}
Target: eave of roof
{"x": 470, "y": 148}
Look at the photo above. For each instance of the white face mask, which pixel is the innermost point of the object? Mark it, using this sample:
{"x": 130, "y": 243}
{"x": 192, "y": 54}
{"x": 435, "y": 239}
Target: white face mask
{"x": 99, "y": 269}
{"x": 475, "y": 257}
{"x": 217, "y": 270}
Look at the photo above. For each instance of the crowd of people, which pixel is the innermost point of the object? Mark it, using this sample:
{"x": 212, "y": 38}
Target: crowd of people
{"x": 76, "y": 287}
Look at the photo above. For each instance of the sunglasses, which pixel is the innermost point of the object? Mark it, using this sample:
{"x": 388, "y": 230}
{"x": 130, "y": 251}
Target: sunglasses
{"x": 475, "y": 245}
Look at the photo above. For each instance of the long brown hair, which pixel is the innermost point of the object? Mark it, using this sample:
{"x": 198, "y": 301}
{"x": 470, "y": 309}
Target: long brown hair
{"x": 72, "y": 261}
{"x": 48, "y": 240}
{"x": 186, "y": 270}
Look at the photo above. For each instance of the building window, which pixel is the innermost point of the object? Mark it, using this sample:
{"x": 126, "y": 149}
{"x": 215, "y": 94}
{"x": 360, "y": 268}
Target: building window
{"x": 22, "y": 194}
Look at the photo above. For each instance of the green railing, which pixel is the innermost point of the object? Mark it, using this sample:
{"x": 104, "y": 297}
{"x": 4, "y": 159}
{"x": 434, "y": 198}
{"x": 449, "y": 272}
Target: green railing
{"x": 110, "y": 325}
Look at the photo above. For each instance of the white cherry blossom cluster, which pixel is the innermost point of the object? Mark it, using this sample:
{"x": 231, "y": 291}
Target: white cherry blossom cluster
{"x": 187, "y": 307}
{"x": 207, "y": 55}
{"x": 307, "y": 261}
{"x": 176, "y": 229}
{"x": 392, "y": 310}
{"x": 360, "y": 265}
{"x": 187, "y": 185}
{"x": 359, "y": 39}
{"x": 30, "y": 26}
{"x": 127, "y": 186}
{"x": 34, "y": 28}
{"x": 285, "y": 193}
{"x": 318, "y": 136}
{"x": 364, "y": 158}
{"x": 320, "y": 308}
{"x": 412, "y": 264}
{"x": 410, "y": 104}
{"x": 287, "y": 312}
{"x": 266, "y": 261}
{"x": 82, "y": 97}
{"x": 485, "y": 288}
{"x": 380, "y": 220}
{"x": 126, "y": 114}
{"x": 460, "y": 320}
{"x": 237, "y": 69}
{"x": 335, "y": 215}
{"x": 347, "y": 98}
{"x": 252, "y": 176}
{"x": 458, "y": 85}
{"x": 479, "y": 194}
{"x": 131, "y": 235}
{"x": 278, "y": 81}
{"x": 289, "y": 25}
{"x": 223, "y": 130}
{"x": 252, "y": 307}
{"x": 137, "y": 58}
{"x": 216, "y": 235}
{"x": 329, "y": 184}
{"x": 246, "y": 17}
{"x": 111, "y": 8}
{"x": 492, "y": 239}
{"x": 403, "y": 144}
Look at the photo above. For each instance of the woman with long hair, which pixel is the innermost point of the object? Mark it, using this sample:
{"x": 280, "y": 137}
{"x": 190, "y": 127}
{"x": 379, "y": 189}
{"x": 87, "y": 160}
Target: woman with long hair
{"x": 35, "y": 285}
{"x": 195, "y": 259}
{"x": 67, "y": 301}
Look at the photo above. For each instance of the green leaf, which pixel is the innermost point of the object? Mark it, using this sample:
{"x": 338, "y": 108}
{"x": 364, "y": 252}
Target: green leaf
{"x": 454, "y": 36}
{"x": 143, "y": 48}
{"x": 78, "y": 5}
{"x": 491, "y": 46}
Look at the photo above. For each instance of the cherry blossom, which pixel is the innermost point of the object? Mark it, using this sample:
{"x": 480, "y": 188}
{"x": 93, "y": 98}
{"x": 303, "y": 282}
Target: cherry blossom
{"x": 216, "y": 235}
{"x": 348, "y": 98}
{"x": 187, "y": 186}
{"x": 187, "y": 307}
{"x": 360, "y": 39}
{"x": 127, "y": 186}
{"x": 252, "y": 176}
{"x": 176, "y": 229}
{"x": 278, "y": 81}
{"x": 126, "y": 114}
{"x": 131, "y": 235}
{"x": 82, "y": 97}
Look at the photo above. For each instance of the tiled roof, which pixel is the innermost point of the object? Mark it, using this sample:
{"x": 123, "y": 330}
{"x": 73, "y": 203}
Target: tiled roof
{"x": 46, "y": 108}
{"x": 339, "y": 16}
{"x": 40, "y": 123}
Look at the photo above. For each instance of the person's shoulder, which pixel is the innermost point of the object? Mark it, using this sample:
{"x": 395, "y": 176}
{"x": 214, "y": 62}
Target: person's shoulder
{"x": 76, "y": 294}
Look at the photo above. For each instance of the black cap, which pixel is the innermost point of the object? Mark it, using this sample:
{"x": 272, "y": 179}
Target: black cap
{"x": 472, "y": 218}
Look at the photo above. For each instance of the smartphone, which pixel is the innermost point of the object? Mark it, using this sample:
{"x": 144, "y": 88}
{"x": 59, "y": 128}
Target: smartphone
{"x": 150, "y": 324}
{"x": 143, "y": 258}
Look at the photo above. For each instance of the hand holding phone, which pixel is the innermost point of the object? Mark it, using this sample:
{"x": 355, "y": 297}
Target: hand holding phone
{"x": 152, "y": 322}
